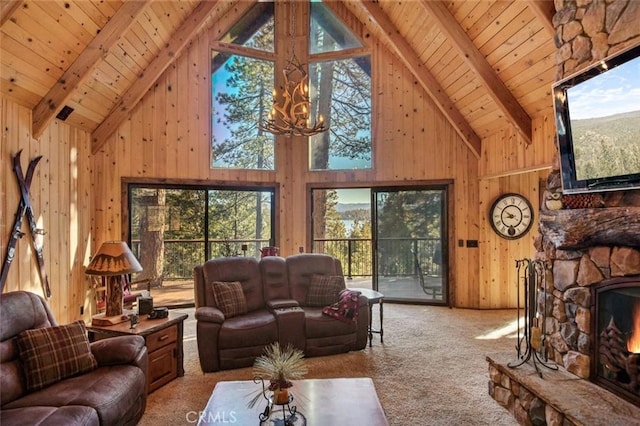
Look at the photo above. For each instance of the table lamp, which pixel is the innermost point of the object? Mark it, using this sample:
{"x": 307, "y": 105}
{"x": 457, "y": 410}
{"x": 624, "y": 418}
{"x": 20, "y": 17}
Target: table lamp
{"x": 113, "y": 260}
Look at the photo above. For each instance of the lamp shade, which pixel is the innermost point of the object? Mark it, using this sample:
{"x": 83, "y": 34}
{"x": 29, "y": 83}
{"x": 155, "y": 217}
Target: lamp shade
{"x": 113, "y": 258}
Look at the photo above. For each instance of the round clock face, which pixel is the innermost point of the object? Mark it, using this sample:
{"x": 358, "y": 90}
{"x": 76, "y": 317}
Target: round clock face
{"x": 511, "y": 216}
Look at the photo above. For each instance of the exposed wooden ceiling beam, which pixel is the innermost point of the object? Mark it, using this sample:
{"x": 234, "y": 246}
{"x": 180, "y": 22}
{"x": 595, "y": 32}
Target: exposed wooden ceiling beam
{"x": 544, "y": 10}
{"x": 81, "y": 69}
{"x": 380, "y": 22}
{"x": 179, "y": 40}
{"x": 495, "y": 87}
{"x": 7, "y": 8}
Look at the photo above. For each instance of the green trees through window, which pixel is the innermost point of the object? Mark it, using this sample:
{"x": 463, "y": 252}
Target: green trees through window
{"x": 243, "y": 80}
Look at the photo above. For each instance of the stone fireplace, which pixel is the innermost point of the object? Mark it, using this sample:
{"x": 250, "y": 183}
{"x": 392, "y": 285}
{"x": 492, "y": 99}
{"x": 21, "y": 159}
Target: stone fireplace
{"x": 615, "y": 332}
{"x": 588, "y": 288}
{"x": 591, "y": 244}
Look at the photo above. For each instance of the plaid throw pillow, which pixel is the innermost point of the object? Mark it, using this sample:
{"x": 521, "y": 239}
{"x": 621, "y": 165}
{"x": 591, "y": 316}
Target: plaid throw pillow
{"x": 229, "y": 298}
{"x": 51, "y": 354}
{"x": 324, "y": 290}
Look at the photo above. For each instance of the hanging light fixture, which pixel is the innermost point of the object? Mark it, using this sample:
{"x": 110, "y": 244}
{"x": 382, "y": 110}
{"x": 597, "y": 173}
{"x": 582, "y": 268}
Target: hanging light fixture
{"x": 291, "y": 116}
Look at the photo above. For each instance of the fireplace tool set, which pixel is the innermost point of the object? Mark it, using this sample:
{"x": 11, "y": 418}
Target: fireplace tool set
{"x": 531, "y": 345}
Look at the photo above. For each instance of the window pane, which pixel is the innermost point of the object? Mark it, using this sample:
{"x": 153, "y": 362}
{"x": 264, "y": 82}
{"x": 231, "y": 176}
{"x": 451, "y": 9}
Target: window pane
{"x": 327, "y": 33}
{"x": 341, "y": 93}
{"x": 255, "y": 29}
{"x": 241, "y": 93}
{"x": 237, "y": 220}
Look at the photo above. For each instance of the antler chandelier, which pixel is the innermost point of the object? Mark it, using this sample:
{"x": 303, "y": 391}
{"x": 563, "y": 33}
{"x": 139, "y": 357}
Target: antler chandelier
{"x": 291, "y": 117}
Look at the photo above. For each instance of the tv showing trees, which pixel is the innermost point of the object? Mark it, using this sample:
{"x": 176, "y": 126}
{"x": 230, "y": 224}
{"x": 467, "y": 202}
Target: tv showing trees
{"x": 598, "y": 125}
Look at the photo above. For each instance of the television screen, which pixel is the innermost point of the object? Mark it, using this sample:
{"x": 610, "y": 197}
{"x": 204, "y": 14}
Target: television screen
{"x": 598, "y": 124}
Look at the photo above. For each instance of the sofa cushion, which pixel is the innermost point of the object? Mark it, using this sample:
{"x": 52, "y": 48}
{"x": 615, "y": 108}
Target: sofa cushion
{"x": 115, "y": 392}
{"x": 50, "y": 354}
{"x": 229, "y": 298}
{"x": 324, "y": 290}
{"x": 50, "y": 416}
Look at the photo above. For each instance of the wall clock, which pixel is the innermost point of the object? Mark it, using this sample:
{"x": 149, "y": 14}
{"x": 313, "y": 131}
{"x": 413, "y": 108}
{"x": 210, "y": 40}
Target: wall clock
{"x": 511, "y": 216}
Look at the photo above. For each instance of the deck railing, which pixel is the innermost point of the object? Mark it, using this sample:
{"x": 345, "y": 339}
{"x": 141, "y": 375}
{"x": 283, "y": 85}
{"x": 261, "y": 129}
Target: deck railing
{"x": 397, "y": 255}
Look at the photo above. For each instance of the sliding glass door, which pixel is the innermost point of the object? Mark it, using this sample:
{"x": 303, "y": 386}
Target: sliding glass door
{"x": 409, "y": 243}
{"x": 390, "y": 239}
{"x": 174, "y": 228}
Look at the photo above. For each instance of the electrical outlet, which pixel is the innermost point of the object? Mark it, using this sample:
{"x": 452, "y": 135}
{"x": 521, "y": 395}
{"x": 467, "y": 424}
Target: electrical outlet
{"x": 301, "y": 249}
{"x": 460, "y": 243}
{"x": 472, "y": 243}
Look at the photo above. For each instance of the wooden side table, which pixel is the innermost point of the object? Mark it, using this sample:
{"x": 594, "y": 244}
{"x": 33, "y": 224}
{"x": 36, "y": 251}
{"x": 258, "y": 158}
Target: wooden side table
{"x": 373, "y": 297}
{"x": 163, "y": 338}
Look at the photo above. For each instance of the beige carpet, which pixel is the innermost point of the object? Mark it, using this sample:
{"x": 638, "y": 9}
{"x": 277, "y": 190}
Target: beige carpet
{"x": 431, "y": 369}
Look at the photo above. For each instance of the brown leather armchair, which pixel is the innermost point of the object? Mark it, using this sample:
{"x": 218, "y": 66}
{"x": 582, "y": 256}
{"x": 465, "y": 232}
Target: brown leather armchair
{"x": 113, "y": 393}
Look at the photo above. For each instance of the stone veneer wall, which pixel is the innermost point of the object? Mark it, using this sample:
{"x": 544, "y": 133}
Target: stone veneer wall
{"x": 586, "y": 31}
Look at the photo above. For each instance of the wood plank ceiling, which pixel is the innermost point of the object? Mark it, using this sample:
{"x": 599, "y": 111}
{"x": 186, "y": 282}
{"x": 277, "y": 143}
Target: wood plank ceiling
{"x": 482, "y": 62}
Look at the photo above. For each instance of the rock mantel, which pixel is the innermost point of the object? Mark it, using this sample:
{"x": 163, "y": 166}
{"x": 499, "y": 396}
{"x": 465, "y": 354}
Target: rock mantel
{"x": 572, "y": 229}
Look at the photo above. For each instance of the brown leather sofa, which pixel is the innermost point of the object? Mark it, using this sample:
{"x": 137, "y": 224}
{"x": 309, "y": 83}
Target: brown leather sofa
{"x": 275, "y": 289}
{"x": 113, "y": 393}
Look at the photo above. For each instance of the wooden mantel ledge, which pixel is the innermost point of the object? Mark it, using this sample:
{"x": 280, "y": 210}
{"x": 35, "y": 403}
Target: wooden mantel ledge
{"x": 580, "y": 228}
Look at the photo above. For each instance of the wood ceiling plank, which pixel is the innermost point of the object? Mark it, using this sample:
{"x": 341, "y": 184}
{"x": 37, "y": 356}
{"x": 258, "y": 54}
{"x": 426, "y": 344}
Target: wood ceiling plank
{"x": 27, "y": 68}
{"x": 178, "y": 41}
{"x": 510, "y": 37}
{"x": 104, "y": 90}
{"x": 503, "y": 18}
{"x": 18, "y": 94}
{"x": 512, "y": 109}
{"x": 32, "y": 42}
{"x": 79, "y": 15}
{"x": 487, "y": 19}
{"x": 544, "y": 10}
{"x": 7, "y": 8}
{"x": 93, "y": 12}
{"x": 81, "y": 68}
{"x": 64, "y": 20}
{"x": 24, "y": 28}
{"x": 473, "y": 12}
{"x": 409, "y": 57}
{"x": 21, "y": 78}
{"x": 534, "y": 49}
{"x": 111, "y": 77}
{"x": 59, "y": 38}
{"x": 12, "y": 46}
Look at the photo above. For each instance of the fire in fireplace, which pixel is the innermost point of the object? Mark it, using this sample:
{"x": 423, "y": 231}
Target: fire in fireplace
{"x": 616, "y": 353}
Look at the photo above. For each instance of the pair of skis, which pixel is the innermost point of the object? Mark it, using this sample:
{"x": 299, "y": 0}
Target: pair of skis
{"x": 37, "y": 235}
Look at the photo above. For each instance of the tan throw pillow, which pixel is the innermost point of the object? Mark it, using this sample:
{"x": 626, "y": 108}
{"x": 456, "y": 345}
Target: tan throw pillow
{"x": 51, "y": 354}
{"x": 229, "y": 298}
{"x": 324, "y": 290}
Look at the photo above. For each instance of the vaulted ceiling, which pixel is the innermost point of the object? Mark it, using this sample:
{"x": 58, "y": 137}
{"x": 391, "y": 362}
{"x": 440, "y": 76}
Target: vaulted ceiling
{"x": 483, "y": 62}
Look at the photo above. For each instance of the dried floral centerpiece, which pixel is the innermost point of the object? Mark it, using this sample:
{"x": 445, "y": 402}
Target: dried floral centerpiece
{"x": 279, "y": 366}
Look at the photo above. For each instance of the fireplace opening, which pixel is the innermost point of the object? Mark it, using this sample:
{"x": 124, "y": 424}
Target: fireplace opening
{"x": 616, "y": 334}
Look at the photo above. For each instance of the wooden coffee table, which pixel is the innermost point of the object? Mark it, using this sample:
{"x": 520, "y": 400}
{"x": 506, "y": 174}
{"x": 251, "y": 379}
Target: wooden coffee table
{"x": 317, "y": 401}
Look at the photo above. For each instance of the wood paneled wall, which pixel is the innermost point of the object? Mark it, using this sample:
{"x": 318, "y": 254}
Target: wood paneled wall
{"x": 508, "y": 164}
{"x": 60, "y": 196}
{"x": 167, "y": 138}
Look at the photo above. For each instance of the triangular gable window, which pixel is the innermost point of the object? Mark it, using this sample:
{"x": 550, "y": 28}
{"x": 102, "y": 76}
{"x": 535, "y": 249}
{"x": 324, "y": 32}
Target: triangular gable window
{"x": 328, "y": 33}
{"x": 255, "y": 29}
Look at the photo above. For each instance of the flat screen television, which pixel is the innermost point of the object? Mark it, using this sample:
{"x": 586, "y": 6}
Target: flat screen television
{"x": 598, "y": 125}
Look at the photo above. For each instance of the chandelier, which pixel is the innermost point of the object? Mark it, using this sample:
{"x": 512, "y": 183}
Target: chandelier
{"x": 291, "y": 117}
